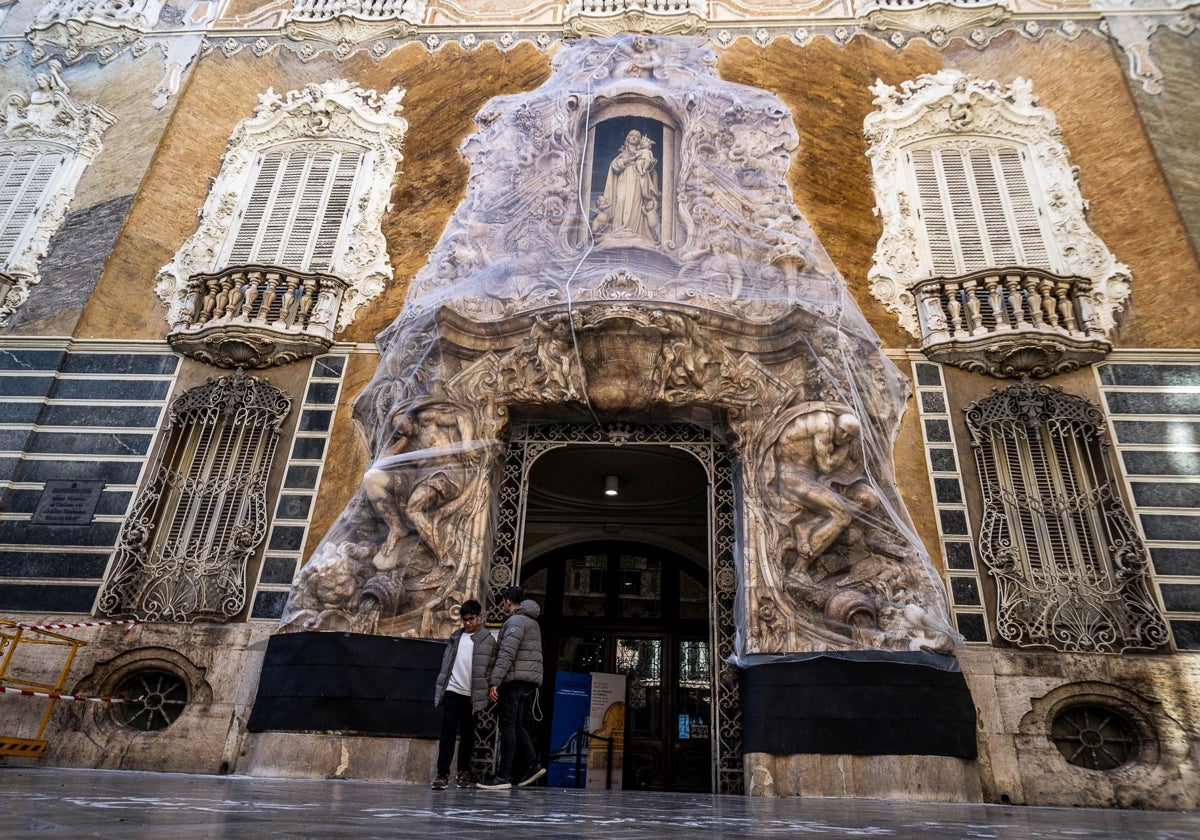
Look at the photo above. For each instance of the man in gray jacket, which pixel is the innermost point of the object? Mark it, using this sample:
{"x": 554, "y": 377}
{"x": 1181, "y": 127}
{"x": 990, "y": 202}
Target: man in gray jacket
{"x": 514, "y": 680}
{"x": 461, "y": 691}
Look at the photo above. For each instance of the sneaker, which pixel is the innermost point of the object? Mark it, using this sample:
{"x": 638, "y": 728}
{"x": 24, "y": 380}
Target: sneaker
{"x": 532, "y": 776}
{"x": 440, "y": 783}
{"x": 463, "y": 780}
{"x": 494, "y": 784}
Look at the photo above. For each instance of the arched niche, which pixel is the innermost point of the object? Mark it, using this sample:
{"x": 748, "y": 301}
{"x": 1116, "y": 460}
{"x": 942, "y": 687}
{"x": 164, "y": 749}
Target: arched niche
{"x": 630, "y": 194}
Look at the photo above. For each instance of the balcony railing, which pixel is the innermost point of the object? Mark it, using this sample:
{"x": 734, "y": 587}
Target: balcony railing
{"x": 320, "y": 10}
{"x": 610, "y": 17}
{"x": 1010, "y": 322}
{"x": 258, "y": 316}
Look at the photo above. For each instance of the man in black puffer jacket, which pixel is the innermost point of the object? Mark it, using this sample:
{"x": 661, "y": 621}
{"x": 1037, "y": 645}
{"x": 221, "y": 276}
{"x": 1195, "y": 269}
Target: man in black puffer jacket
{"x": 515, "y": 677}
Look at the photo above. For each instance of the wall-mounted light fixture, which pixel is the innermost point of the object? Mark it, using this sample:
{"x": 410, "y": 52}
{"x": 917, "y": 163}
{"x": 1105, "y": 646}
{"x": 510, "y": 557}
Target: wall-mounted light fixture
{"x": 610, "y": 485}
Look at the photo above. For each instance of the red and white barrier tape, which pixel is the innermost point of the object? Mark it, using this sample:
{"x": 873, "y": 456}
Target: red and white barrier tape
{"x": 26, "y": 692}
{"x": 79, "y": 624}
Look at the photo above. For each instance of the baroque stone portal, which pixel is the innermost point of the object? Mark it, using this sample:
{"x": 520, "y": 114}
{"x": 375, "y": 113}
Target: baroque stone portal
{"x": 694, "y": 293}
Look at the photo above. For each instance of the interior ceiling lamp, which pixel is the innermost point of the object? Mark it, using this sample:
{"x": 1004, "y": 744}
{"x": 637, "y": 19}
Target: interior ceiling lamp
{"x": 610, "y": 485}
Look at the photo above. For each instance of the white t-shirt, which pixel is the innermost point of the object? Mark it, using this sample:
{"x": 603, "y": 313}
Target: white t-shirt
{"x": 460, "y": 674}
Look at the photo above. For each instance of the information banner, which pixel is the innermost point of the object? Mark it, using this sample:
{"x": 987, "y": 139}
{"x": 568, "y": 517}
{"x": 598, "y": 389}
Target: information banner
{"x": 606, "y": 721}
{"x": 568, "y": 730}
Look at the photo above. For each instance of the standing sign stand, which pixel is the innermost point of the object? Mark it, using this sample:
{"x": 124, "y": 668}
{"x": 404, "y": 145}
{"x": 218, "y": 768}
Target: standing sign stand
{"x": 587, "y": 733}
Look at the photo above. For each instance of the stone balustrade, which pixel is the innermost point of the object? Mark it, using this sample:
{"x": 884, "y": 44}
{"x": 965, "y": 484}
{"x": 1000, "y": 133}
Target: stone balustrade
{"x": 316, "y": 10}
{"x": 258, "y": 316}
{"x": 1009, "y": 322}
{"x": 617, "y": 7}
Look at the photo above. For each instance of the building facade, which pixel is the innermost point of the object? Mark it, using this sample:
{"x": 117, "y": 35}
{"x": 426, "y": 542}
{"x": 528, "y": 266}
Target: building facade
{"x": 827, "y": 370}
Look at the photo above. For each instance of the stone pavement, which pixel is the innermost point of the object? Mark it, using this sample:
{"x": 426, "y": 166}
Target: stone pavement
{"x": 58, "y": 803}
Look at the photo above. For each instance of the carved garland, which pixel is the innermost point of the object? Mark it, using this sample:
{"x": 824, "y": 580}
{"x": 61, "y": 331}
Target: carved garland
{"x": 320, "y": 116}
{"x": 952, "y": 107}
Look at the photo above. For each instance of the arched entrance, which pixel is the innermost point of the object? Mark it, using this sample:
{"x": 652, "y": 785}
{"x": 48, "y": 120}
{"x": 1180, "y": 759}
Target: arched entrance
{"x": 638, "y": 610}
{"x": 645, "y": 587}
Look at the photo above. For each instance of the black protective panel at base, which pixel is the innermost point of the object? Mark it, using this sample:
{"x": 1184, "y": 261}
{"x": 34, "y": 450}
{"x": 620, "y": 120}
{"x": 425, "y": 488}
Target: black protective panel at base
{"x": 838, "y": 706}
{"x": 348, "y": 682}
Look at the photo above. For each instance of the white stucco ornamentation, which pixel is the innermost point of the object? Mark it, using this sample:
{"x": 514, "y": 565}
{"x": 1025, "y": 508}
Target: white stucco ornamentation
{"x": 334, "y": 117}
{"x": 611, "y": 17}
{"x": 352, "y": 21}
{"x": 953, "y": 110}
{"x": 51, "y": 134}
{"x": 74, "y": 28}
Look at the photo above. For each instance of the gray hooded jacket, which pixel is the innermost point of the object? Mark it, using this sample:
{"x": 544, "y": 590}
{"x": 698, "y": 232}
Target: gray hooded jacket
{"x": 482, "y": 656}
{"x": 519, "y": 656}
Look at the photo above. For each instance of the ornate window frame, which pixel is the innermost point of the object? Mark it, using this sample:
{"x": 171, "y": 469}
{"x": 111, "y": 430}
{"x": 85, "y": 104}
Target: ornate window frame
{"x": 48, "y": 141}
{"x": 183, "y": 550}
{"x": 1070, "y": 570}
{"x": 1067, "y": 305}
{"x": 255, "y": 315}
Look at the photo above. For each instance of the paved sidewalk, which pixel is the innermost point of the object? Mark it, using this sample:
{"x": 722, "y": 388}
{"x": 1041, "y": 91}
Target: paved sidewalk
{"x": 56, "y": 803}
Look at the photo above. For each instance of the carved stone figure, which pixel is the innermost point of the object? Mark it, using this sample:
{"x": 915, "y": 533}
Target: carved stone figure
{"x": 631, "y": 192}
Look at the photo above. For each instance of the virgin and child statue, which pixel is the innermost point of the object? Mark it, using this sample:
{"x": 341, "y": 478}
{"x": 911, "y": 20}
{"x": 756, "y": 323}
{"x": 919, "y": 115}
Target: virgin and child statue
{"x": 630, "y": 207}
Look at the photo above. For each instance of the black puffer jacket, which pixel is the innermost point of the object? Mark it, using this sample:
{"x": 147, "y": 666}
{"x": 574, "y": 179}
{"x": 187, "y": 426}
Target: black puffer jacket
{"x": 519, "y": 656}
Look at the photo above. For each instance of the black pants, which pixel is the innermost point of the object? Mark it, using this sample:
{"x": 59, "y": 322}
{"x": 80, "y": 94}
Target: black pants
{"x": 457, "y": 719}
{"x": 516, "y": 701}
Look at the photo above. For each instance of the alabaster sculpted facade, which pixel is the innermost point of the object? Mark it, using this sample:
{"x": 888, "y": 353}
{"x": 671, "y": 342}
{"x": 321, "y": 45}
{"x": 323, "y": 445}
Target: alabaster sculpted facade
{"x": 874, "y": 321}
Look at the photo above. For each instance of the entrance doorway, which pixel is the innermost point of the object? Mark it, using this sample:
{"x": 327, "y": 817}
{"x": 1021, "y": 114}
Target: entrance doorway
{"x": 634, "y": 609}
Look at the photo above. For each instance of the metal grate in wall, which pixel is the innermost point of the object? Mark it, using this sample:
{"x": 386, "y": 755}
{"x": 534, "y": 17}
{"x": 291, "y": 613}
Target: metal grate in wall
{"x": 950, "y": 504}
{"x": 297, "y": 496}
{"x": 1154, "y": 418}
{"x": 77, "y": 422}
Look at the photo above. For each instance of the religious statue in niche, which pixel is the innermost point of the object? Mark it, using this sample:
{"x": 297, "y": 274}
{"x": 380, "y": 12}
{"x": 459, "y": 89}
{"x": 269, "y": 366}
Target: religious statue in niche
{"x": 627, "y": 203}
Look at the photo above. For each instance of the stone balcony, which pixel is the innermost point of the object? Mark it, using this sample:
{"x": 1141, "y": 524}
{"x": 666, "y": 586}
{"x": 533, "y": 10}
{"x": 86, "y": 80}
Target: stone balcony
{"x": 258, "y": 316}
{"x": 1010, "y": 322}
{"x": 930, "y": 15}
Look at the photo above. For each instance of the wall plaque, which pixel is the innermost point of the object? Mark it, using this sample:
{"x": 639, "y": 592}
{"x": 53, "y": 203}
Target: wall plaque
{"x": 66, "y": 502}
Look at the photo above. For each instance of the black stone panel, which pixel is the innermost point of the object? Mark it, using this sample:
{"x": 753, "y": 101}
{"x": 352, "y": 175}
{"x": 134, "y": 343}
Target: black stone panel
{"x": 122, "y": 364}
{"x": 933, "y": 402}
{"x": 133, "y": 390}
{"x": 1176, "y": 528}
{"x": 308, "y": 449}
{"x": 1161, "y": 463}
{"x": 832, "y": 705}
{"x": 81, "y": 469}
{"x": 13, "y": 440}
{"x": 90, "y": 443}
{"x": 1176, "y": 561}
{"x": 21, "y": 532}
{"x": 301, "y": 478}
{"x": 959, "y": 555}
{"x": 947, "y": 491}
{"x": 268, "y": 604}
{"x": 1161, "y": 494}
{"x": 322, "y": 393}
{"x": 1180, "y": 597}
{"x": 30, "y": 360}
{"x": 937, "y": 431}
{"x": 965, "y": 591}
{"x": 972, "y": 626}
{"x": 943, "y": 460}
{"x": 46, "y": 598}
{"x": 315, "y": 420}
{"x": 59, "y": 564}
{"x": 348, "y": 682}
{"x": 8, "y": 467}
{"x": 953, "y": 522}
{"x": 329, "y": 366}
{"x": 1125, "y": 402}
{"x": 286, "y": 538}
{"x": 73, "y": 414}
{"x": 928, "y": 374}
{"x": 277, "y": 570}
{"x": 1168, "y": 432}
{"x": 22, "y": 413}
{"x": 1149, "y": 375}
{"x": 1187, "y": 634}
{"x": 293, "y": 507}
{"x": 25, "y": 386}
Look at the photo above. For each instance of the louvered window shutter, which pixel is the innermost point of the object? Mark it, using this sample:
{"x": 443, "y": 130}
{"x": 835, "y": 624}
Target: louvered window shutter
{"x": 296, "y": 210}
{"x": 977, "y": 210}
{"x": 25, "y": 180}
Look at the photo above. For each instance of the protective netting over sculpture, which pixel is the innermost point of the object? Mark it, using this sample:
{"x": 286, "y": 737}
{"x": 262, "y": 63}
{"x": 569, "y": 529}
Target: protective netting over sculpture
{"x": 628, "y": 251}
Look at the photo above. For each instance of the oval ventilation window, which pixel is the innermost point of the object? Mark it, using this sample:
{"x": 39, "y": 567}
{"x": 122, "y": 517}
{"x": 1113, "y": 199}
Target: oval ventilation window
{"x": 163, "y": 696}
{"x": 1095, "y": 737}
